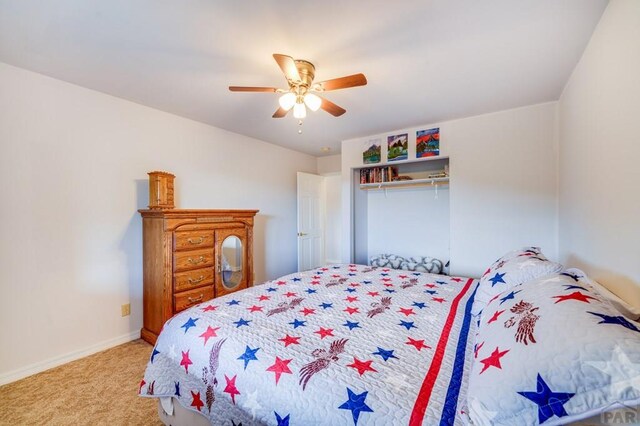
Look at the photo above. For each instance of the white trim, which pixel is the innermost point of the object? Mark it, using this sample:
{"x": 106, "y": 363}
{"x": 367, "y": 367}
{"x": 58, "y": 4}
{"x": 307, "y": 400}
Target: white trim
{"x": 41, "y": 366}
{"x": 333, "y": 262}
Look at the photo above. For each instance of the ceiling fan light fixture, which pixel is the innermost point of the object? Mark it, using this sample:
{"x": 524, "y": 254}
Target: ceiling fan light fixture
{"x": 312, "y": 101}
{"x": 299, "y": 110}
{"x": 287, "y": 101}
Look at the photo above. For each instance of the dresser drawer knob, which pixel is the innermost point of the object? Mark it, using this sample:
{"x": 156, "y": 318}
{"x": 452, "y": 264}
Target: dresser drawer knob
{"x": 195, "y": 262}
{"x": 195, "y": 300}
{"x": 200, "y": 240}
{"x": 193, "y": 281}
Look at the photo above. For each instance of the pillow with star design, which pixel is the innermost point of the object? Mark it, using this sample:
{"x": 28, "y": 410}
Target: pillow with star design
{"x": 552, "y": 351}
{"x": 511, "y": 270}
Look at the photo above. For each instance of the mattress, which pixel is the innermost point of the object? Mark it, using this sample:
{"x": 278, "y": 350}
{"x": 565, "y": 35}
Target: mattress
{"x": 344, "y": 344}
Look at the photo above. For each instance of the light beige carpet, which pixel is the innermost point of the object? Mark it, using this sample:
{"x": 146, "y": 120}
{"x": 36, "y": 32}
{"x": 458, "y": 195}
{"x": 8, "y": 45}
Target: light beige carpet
{"x": 101, "y": 389}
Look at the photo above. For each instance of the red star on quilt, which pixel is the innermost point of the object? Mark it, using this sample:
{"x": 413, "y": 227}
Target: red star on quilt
{"x": 209, "y": 308}
{"x": 186, "y": 361}
{"x": 456, "y": 279}
{"x": 355, "y": 284}
{"x": 335, "y": 276}
{"x": 142, "y": 383}
{"x": 263, "y": 298}
{"x": 315, "y": 277}
{"x": 418, "y": 344}
{"x": 255, "y": 308}
{"x": 231, "y": 388}
{"x": 279, "y": 367}
{"x": 493, "y": 360}
{"x": 407, "y": 311}
{"x": 373, "y": 293}
{"x": 211, "y": 332}
{"x": 308, "y": 311}
{"x": 495, "y": 316}
{"x": 315, "y": 282}
{"x": 196, "y": 401}
{"x": 351, "y": 299}
{"x": 290, "y": 294}
{"x": 402, "y": 276}
{"x": 438, "y": 299}
{"x": 386, "y": 279}
{"x": 351, "y": 310}
{"x": 324, "y": 332}
{"x": 290, "y": 340}
{"x": 362, "y": 366}
{"x": 430, "y": 285}
{"x": 388, "y": 285}
{"x": 281, "y": 282}
{"x": 486, "y": 272}
{"x": 494, "y": 298}
{"x": 576, "y": 295}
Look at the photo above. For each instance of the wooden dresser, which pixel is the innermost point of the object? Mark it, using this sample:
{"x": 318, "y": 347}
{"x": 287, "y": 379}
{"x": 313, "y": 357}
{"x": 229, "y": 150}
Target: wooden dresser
{"x": 191, "y": 256}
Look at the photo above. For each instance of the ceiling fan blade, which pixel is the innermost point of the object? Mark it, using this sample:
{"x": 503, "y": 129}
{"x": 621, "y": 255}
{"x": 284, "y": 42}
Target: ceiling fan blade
{"x": 280, "y": 112}
{"x": 331, "y": 108}
{"x": 341, "y": 83}
{"x": 252, "y": 89}
{"x": 288, "y": 67}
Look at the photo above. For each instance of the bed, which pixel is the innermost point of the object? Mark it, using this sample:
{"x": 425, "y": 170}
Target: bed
{"x": 529, "y": 343}
{"x": 345, "y": 344}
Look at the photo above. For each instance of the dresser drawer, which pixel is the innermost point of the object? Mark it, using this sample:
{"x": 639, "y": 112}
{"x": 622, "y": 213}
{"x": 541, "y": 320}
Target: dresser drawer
{"x": 189, "y": 240}
{"x": 192, "y": 259}
{"x": 185, "y": 299}
{"x": 192, "y": 279}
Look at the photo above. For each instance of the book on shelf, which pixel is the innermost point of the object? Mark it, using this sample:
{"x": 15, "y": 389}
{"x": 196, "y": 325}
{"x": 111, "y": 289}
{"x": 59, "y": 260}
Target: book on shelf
{"x": 378, "y": 174}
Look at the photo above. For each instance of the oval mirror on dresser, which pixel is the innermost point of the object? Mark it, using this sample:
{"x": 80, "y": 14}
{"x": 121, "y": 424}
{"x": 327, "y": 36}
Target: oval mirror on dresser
{"x": 232, "y": 255}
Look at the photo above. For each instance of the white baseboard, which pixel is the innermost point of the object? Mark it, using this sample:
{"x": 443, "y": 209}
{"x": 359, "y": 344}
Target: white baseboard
{"x": 41, "y": 366}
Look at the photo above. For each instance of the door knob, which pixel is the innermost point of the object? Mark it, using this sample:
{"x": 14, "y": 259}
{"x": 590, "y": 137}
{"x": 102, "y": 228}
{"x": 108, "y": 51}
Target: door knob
{"x": 301, "y": 234}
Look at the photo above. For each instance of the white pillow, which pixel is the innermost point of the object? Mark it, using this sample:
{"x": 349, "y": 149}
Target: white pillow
{"x": 512, "y": 269}
{"x": 552, "y": 351}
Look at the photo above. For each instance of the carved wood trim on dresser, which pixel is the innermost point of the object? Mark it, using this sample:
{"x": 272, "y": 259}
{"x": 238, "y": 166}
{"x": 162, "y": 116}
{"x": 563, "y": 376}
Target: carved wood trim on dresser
{"x": 183, "y": 260}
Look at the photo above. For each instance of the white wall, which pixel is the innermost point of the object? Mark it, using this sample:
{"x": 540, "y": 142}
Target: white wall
{"x": 599, "y": 155}
{"x": 73, "y": 166}
{"x": 503, "y": 191}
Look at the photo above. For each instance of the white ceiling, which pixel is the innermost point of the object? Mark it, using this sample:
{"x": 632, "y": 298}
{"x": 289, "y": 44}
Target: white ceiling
{"x": 426, "y": 60}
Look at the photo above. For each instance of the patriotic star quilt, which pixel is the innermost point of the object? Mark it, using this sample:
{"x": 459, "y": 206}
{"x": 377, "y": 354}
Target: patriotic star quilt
{"x": 345, "y": 344}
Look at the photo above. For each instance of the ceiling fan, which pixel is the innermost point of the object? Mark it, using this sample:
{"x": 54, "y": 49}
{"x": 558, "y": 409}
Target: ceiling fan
{"x": 302, "y": 90}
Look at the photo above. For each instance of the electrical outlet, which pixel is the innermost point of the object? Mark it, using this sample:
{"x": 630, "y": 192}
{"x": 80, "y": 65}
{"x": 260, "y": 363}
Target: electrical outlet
{"x": 126, "y": 309}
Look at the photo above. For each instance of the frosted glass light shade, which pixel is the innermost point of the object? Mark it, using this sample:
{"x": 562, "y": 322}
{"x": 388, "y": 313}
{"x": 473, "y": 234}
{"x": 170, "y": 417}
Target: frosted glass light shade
{"x": 299, "y": 110}
{"x": 287, "y": 101}
{"x": 312, "y": 101}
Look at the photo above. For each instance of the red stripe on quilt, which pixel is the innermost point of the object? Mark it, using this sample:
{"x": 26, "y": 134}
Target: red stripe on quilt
{"x": 422, "y": 401}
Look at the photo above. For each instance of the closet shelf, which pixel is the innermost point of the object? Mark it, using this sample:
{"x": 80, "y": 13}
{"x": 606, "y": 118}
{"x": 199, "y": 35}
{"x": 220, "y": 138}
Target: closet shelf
{"x": 405, "y": 183}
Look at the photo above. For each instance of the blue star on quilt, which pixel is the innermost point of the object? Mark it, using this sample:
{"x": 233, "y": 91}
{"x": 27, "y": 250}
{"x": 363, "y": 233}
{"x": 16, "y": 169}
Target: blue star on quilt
{"x": 350, "y": 289}
{"x": 620, "y": 320}
{"x": 570, "y": 275}
{"x": 549, "y": 403}
{"x": 352, "y": 325}
{"x": 297, "y": 323}
{"x": 419, "y": 305}
{"x": 326, "y": 305}
{"x": 417, "y": 274}
{"x": 432, "y": 292}
{"x": 191, "y": 322}
{"x": 177, "y": 386}
{"x": 497, "y": 278}
{"x": 270, "y": 289}
{"x": 366, "y": 282}
{"x": 233, "y": 302}
{"x": 241, "y": 322}
{"x": 249, "y": 355}
{"x": 296, "y": 279}
{"x": 509, "y": 296}
{"x": 282, "y": 421}
{"x": 153, "y": 354}
{"x": 385, "y": 353}
{"x": 408, "y": 324}
{"x": 356, "y": 404}
{"x": 576, "y": 287}
{"x": 311, "y": 291}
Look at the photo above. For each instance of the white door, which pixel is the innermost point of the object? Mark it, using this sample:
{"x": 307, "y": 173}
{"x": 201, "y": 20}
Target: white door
{"x": 310, "y": 221}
